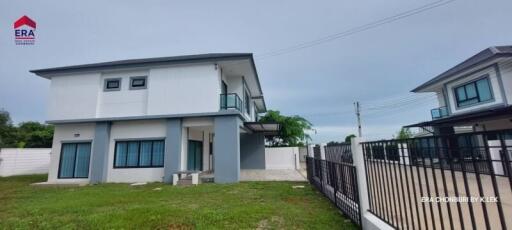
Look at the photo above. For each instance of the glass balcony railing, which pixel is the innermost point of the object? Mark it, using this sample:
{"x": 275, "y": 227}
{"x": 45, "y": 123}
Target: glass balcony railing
{"x": 231, "y": 101}
{"x": 439, "y": 112}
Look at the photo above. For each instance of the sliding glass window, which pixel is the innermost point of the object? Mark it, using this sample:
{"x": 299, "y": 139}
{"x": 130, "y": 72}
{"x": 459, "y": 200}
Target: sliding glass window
{"x": 74, "y": 160}
{"x": 139, "y": 154}
{"x": 473, "y": 93}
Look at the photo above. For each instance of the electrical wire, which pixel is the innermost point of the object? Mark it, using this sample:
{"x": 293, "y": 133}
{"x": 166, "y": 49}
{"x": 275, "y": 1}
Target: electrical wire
{"x": 354, "y": 30}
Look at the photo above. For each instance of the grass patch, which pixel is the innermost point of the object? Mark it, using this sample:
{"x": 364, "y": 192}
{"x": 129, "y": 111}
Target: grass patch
{"x": 247, "y": 205}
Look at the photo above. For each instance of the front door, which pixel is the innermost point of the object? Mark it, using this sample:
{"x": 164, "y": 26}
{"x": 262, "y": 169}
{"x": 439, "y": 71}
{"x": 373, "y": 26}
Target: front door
{"x": 195, "y": 155}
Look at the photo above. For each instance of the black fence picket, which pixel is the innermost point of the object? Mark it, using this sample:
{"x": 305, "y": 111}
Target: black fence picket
{"x": 336, "y": 178}
{"x": 422, "y": 183}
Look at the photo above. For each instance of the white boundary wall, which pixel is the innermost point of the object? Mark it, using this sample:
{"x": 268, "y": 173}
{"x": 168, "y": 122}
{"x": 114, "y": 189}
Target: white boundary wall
{"x": 282, "y": 158}
{"x": 24, "y": 161}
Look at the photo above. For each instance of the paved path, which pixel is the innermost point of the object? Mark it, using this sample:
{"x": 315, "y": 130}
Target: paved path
{"x": 271, "y": 175}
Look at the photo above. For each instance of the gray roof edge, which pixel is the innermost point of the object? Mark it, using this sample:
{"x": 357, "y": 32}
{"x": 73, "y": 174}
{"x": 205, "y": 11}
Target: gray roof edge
{"x": 258, "y": 81}
{"x": 145, "y": 61}
{"x": 495, "y": 52}
{"x": 148, "y": 117}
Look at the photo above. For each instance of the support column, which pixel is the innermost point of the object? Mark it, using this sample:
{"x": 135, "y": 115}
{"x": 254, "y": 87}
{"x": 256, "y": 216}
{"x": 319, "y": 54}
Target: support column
{"x": 226, "y": 149}
{"x": 99, "y": 158}
{"x": 172, "y": 157}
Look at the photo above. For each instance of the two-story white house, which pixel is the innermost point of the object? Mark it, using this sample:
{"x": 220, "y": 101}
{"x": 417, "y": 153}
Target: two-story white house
{"x": 476, "y": 93}
{"x": 145, "y": 119}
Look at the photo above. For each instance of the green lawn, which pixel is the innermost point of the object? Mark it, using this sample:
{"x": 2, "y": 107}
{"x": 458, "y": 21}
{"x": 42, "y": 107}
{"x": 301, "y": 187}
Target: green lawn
{"x": 250, "y": 205}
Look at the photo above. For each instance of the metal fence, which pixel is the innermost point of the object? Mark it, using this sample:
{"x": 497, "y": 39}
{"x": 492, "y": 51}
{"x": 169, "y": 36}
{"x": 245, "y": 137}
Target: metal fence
{"x": 336, "y": 178}
{"x": 460, "y": 181}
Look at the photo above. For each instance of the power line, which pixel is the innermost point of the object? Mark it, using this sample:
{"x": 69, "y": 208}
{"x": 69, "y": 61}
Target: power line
{"x": 400, "y": 104}
{"x": 389, "y": 106}
{"x": 355, "y": 30}
{"x": 392, "y": 99}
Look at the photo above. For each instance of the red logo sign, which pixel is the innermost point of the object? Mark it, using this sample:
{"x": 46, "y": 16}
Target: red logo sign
{"x": 24, "y": 31}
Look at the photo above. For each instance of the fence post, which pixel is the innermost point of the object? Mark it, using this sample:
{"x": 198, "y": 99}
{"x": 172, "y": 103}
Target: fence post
{"x": 322, "y": 151}
{"x": 368, "y": 220}
{"x": 358, "y": 157}
{"x": 311, "y": 151}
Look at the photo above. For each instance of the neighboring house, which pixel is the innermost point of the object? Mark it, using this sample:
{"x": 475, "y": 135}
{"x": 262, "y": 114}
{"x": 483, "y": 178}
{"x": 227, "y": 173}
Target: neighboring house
{"x": 145, "y": 119}
{"x": 475, "y": 94}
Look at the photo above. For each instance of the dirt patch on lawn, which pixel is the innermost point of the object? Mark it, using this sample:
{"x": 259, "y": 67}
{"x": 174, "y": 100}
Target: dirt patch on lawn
{"x": 297, "y": 200}
{"x": 272, "y": 223}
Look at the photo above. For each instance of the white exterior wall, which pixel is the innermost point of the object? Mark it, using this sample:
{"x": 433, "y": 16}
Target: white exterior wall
{"x": 179, "y": 89}
{"x": 172, "y": 90}
{"x": 183, "y": 89}
{"x": 74, "y": 97}
{"x": 282, "y": 158}
{"x": 27, "y": 161}
{"x": 66, "y": 133}
{"x": 135, "y": 130}
{"x": 124, "y": 102}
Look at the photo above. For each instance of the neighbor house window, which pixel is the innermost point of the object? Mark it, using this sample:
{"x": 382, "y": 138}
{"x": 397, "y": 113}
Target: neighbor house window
{"x": 473, "y": 92}
{"x": 139, "y": 154}
{"x": 74, "y": 160}
{"x": 138, "y": 82}
{"x": 112, "y": 84}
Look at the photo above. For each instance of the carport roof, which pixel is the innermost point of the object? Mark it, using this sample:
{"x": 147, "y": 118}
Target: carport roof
{"x": 267, "y": 128}
{"x": 467, "y": 118}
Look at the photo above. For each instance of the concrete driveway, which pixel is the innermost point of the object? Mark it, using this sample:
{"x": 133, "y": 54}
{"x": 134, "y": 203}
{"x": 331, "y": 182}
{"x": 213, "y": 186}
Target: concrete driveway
{"x": 271, "y": 175}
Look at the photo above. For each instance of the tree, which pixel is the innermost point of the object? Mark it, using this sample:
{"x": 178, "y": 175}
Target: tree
{"x": 7, "y": 130}
{"x": 330, "y": 143}
{"x": 292, "y": 129}
{"x": 28, "y": 134}
{"x": 348, "y": 139}
{"x": 404, "y": 133}
{"x": 35, "y": 135}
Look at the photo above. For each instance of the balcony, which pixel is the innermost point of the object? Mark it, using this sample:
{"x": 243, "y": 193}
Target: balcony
{"x": 439, "y": 112}
{"x": 230, "y": 101}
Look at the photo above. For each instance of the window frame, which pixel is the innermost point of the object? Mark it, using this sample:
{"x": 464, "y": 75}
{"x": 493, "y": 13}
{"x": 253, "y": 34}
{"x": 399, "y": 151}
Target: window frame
{"x": 132, "y": 79}
{"x": 76, "y": 143}
{"x": 474, "y": 83}
{"x": 105, "y": 84}
{"x": 139, "y": 144}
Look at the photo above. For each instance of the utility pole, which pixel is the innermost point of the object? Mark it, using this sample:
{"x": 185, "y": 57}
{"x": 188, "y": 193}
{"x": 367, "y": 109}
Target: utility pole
{"x": 358, "y": 114}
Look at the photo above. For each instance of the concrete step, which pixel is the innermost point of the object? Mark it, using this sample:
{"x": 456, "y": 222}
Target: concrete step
{"x": 184, "y": 182}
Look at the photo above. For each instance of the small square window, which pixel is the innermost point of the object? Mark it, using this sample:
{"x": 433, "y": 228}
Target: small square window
{"x": 112, "y": 84}
{"x": 138, "y": 82}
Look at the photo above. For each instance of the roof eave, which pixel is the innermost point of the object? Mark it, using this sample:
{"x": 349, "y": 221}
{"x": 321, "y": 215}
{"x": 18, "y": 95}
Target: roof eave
{"x": 433, "y": 81}
{"x": 140, "y": 63}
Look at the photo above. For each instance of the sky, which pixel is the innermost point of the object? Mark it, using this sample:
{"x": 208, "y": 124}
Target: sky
{"x": 377, "y": 67}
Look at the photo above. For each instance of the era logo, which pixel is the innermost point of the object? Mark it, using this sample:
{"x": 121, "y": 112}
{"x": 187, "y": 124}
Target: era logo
{"x": 24, "y": 31}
